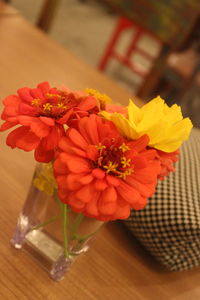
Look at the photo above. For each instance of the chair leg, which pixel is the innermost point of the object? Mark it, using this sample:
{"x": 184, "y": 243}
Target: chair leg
{"x": 153, "y": 77}
{"x": 122, "y": 24}
{"x": 133, "y": 43}
{"x": 47, "y": 14}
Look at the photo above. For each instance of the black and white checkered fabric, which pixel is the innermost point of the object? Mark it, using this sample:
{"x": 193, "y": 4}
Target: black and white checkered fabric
{"x": 169, "y": 226}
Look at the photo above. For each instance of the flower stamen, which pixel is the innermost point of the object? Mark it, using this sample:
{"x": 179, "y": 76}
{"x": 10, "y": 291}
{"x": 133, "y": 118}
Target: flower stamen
{"x": 111, "y": 167}
{"x": 125, "y": 162}
{"x": 127, "y": 172}
{"x": 102, "y": 98}
{"x": 50, "y": 96}
{"x": 112, "y": 160}
{"x": 124, "y": 147}
{"x": 47, "y": 107}
{"x": 35, "y": 102}
{"x": 100, "y": 147}
{"x": 61, "y": 105}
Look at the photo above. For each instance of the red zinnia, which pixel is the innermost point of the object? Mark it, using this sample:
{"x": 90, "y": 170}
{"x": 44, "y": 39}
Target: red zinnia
{"x": 102, "y": 174}
{"x": 167, "y": 161}
{"x": 42, "y": 112}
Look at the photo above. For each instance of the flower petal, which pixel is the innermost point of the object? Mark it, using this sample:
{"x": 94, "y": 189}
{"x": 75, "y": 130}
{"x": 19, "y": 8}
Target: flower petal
{"x": 11, "y": 106}
{"x": 98, "y": 173}
{"x": 86, "y": 179}
{"x": 59, "y": 167}
{"x": 127, "y": 192}
{"x": 77, "y": 138}
{"x": 22, "y": 138}
{"x": 11, "y": 100}
{"x": 92, "y": 152}
{"x": 48, "y": 121}
{"x": 111, "y": 180}
{"x": 52, "y": 139}
{"x": 139, "y": 162}
{"x": 76, "y": 204}
{"x": 39, "y": 128}
{"x": 25, "y": 120}
{"x": 16, "y": 134}
{"x": 87, "y": 103}
{"x": 63, "y": 195}
{"x": 140, "y": 204}
{"x": 37, "y": 94}
{"x": 44, "y": 87}
{"x": 26, "y": 109}
{"x": 65, "y": 118}
{"x": 146, "y": 175}
{"x": 100, "y": 184}
{"x": 146, "y": 190}
{"x": 75, "y": 164}
{"x": 85, "y": 194}
{"x": 107, "y": 204}
{"x": 24, "y": 94}
{"x": 7, "y": 125}
{"x": 42, "y": 154}
{"x": 61, "y": 181}
{"x": 139, "y": 144}
{"x": 72, "y": 181}
{"x": 92, "y": 207}
{"x": 88, "y": 129}
{"x": 122, "y": 212}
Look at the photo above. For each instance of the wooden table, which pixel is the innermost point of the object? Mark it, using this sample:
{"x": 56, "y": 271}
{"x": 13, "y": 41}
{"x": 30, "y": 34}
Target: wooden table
{"x": 116, "y": 267}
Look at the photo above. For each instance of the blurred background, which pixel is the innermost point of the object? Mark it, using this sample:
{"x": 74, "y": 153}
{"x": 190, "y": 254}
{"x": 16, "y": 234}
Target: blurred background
{"x": 149, "y": 47}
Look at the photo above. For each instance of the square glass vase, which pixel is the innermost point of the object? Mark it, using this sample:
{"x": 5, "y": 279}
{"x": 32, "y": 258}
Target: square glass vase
{"x": 48, "y": 229}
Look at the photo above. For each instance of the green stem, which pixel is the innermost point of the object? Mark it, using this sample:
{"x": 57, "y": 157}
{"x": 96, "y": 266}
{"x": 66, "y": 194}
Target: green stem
{"x": 83, "y": 238}
{"x": 46, "y": 222}
{"x": 56, "y": 198}
{"x": 65, "y": 240}
{"x": 77, "y": 222}
{"x": 87, "y": 236}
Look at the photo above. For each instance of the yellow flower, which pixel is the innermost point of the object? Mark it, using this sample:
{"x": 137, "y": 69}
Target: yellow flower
{"x": 103, "y": 99}
{"x": 164, "y": 125}
{"x": 44, "y": 179}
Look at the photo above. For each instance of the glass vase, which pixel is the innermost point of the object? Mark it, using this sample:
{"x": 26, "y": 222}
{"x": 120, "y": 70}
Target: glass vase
{"x": 49, "y": 229}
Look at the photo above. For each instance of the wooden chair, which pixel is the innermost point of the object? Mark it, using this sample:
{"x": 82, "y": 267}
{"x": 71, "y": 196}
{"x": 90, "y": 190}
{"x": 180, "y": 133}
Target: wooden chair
{"x": 133, "y": 48}
{"x": 47, "y": 14}
{"x": 169, "y": 22}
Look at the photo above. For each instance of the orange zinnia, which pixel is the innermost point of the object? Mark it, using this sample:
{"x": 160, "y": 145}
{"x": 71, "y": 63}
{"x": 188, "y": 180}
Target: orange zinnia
{"x": 102, "y": 174}
{"x": 42, "y": 113}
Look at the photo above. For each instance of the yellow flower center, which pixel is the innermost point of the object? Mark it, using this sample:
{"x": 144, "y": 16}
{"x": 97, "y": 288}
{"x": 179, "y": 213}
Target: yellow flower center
{"x": 47, "y": 106}
{"x": 102, "y": 98}
{"x": 112, "y": 160}
{"x": 53, "y": 105}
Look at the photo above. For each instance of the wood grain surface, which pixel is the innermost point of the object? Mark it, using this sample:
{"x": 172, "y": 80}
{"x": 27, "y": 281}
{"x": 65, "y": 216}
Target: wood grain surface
{"x": 7, "y": 10}
{"x": 116, "y": 267}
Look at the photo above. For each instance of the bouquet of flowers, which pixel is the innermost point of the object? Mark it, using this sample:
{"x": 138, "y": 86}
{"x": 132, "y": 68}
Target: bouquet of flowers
{"x": 101, "y": 159}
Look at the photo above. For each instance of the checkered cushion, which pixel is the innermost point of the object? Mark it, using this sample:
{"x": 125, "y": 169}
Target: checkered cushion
{"x": 169, "y": 226}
